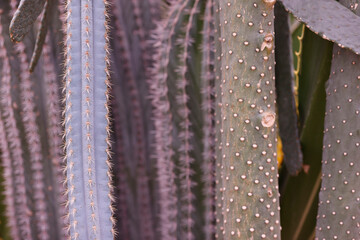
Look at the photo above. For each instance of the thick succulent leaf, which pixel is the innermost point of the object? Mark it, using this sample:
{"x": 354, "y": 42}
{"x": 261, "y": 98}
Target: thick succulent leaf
{"x": 339, "y": 199}
{"x": 299, "y": 194}
{"x": 339, "y": 212}
{"x": 248, "y": 130}
{"x": 288, "y": 123}
{"x": 24, "y": 17}
{"x": 329, "y": 19}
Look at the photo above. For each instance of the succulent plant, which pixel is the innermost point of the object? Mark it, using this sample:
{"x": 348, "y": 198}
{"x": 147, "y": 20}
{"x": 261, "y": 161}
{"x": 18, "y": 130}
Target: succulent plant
{"x": 177, "y": 138}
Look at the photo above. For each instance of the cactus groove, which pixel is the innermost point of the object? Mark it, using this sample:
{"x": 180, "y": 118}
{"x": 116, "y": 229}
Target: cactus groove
{"x": 86, "y": 120}
{"x": 248, "y": 130}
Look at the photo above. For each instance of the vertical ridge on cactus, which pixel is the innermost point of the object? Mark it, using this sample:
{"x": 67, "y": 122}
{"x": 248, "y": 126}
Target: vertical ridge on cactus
{"x": 143, "y": 194}
{"x": 11, "y": 158}
{"x": 248, "y": 135}
{"x": 32, "y": 138}
{"x": 163, "y": 121}
{"x": 207, "y": 72}
{"x": 185, "y": 132}
{"x": 86, "y": 120}
{"x": 54, "y": 132}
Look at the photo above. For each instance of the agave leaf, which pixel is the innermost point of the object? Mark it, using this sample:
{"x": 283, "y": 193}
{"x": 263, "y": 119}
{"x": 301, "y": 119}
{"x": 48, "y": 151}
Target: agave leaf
{"x": 329, "y": 19}
{"x": 299, "y": 194}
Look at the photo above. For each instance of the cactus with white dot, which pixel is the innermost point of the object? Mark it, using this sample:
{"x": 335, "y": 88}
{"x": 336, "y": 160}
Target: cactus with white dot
{"x": 248, "y": 130}
{"x": 339, "y": 196}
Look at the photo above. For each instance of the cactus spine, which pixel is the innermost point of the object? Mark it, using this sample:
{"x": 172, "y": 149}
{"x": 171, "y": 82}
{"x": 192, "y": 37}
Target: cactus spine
{"x": 86, "y": 120}
{"x": 248, "y": 135}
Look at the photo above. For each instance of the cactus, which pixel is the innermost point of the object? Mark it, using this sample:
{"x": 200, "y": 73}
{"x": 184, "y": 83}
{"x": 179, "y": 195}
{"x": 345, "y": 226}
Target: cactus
{"x": 338, "y": 198}
{"x": 86, "y": 121}
{"x": 329, "y": 19}
{"x": 249, "y": 167}
{"x": 198, "y": 161}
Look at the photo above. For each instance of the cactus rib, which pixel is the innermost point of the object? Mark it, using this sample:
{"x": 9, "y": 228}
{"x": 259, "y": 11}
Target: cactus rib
{"x": 143, "y": 194}
{"x": 208, "y": 128}
{"x": 32, "y": 136}
{"x": 185, "y": 133}
{"x": 54, "y": 132}
{"x": 248, "y": 133}
{"x": 86, "y": 120}
{"x": 163, "y": 121}
{"x": 16, "y": 200}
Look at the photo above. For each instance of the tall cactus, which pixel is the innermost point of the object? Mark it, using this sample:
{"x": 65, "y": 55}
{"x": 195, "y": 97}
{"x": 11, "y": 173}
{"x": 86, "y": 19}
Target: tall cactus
{"x": 339, "y": 197}
{"x": 248, "y": 135}
{"x": 86, "y": 120}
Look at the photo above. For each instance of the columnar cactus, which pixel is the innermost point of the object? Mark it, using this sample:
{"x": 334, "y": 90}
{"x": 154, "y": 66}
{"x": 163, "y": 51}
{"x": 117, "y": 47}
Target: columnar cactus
{"x": 248, "y": 131}
{"x": 86, "y": 120}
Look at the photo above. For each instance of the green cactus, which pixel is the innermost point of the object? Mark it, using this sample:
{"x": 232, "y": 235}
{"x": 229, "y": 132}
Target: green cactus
{"x": 248, "y": 129}
{"x": 338, "y": 198}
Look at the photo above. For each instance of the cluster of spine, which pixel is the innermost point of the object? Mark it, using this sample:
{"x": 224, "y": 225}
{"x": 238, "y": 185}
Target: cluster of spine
{"x": 86, "y": 120}
{"x": 248, "y": 167}
{"x": 338, "y": 214}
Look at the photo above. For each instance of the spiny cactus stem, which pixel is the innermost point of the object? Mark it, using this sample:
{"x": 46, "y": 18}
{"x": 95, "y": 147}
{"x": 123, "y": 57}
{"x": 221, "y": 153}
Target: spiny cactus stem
{"x": 143, "y": 195}
{"x": 185, "y": 134}
{"x": 7, "y": 153}
{"x": 86, "y": 120}
{"x": 208, "y": 128}
{"x": 8, "y": 176}
{"x": 121, "y": 205}
{"x": 54, "y": 132}
{"x": 22, "y": 218}
{"x": 163, "y": 122}
{"x": 32, "y": 137}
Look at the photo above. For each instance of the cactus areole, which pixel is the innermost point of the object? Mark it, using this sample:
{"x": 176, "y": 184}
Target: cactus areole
{"x": 86, "y": 120}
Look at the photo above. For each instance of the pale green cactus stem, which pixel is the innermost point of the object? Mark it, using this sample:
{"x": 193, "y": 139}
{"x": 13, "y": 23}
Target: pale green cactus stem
{"x": 339, "y": 198}
{"x": 248, "y": 130}
{"x": 86, "y": 120}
